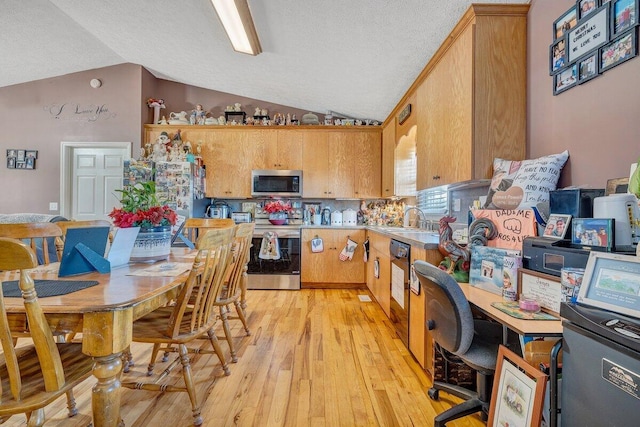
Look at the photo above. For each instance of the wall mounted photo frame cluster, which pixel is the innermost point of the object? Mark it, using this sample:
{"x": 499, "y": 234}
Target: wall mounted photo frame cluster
{"x": 21, "y": 159}
{"x": 590, "y": 38}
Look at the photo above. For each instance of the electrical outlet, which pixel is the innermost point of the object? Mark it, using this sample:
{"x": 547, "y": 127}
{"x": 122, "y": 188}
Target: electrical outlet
{"x": 456, "y": 205}
{"x": 53, "y": 206}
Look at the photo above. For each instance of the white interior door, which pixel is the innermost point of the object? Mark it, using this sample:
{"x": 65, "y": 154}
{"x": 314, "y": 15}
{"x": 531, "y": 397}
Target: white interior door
{"x": 93, "y": 174}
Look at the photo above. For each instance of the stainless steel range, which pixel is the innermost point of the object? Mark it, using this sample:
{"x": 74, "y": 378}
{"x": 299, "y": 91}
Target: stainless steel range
{"x": 274, "y": 261}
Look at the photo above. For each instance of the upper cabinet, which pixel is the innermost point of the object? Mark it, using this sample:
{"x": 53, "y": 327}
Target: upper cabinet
{"x": 472, "y": 100}
{"x": 469, "y": 102}
{"x": 341, "y": 164}
{"x": 283, "y": 150}
{"x": 335, "y": 163}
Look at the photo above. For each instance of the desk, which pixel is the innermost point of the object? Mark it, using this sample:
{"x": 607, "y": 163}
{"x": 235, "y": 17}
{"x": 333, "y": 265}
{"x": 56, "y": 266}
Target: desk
{"x": 104, "y": 314}
{"x": 482, "y": 300}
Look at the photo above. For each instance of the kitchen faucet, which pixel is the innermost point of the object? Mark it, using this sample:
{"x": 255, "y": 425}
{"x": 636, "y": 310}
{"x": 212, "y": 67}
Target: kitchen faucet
{"x": 420, "y": 223}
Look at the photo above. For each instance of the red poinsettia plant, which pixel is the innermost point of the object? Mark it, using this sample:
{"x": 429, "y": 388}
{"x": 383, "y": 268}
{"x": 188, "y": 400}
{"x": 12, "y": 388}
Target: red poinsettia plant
{"x": 141, "y": 208}
{"x": 277, "y": 206}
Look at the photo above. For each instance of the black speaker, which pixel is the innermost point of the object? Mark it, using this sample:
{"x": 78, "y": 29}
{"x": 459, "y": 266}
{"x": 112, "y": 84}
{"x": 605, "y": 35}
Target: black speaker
{"x": 577, "y": 202}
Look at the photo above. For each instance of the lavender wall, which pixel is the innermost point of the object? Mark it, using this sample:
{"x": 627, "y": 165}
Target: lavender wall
{"x": 39, "y": 115}
{"x": 598, "y": 121}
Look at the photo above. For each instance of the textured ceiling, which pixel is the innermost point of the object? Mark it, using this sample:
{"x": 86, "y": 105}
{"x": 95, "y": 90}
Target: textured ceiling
{"x": 354, "y": 57}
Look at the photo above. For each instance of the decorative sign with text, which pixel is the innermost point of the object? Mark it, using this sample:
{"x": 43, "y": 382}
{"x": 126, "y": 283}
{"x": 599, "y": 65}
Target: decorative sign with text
{"x": 78, "y": 112}
{"x": 589, "y": 34}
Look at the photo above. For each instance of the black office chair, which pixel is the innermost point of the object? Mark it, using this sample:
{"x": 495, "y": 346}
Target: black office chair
{"x": 453, "y": 329}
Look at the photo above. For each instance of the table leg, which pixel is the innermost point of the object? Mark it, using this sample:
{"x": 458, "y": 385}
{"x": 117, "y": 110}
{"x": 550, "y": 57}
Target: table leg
{"x": 105, "y": 400}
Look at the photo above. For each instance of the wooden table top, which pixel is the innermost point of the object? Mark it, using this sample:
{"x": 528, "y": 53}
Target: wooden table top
{"x": 114, "y": 291}
{"x": 482, "y": 299}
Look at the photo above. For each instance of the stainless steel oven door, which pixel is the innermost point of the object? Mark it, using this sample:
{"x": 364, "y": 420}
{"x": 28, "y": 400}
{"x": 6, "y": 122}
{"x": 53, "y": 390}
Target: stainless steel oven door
{"x": 271, "y": 265}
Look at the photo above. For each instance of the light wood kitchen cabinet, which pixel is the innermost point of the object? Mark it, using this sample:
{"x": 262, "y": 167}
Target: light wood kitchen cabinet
{"x": 420, "y": 341}
{"x": 325, "y": 269}
{"x": 388, "y": 166}
{"x": 336, "y": 163}
{"x": 282, "y": 150}
{"x": 380, "y": 287}
{"x": 339, "y": 164}
{"x": 366, "y": 153}
{"x": 471, "y": 97}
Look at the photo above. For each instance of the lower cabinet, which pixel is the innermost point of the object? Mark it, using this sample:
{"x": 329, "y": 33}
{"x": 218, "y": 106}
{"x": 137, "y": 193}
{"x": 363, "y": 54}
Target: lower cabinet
{"x": 420, "y": 342}
{"x": 325, "y": 269}
{"x": 379, "y": 261}
{"x": 379, "y": 277}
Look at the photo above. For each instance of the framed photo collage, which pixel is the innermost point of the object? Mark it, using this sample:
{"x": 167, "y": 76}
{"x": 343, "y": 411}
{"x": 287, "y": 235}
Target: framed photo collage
{"x": 590, "y": 38}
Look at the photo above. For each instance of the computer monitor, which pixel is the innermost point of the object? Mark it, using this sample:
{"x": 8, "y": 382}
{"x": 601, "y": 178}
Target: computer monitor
{"x": 612, "y": 282}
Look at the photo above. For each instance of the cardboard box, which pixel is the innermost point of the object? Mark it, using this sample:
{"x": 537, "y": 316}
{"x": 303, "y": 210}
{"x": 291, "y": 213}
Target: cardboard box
{"x": 487, "y": 267}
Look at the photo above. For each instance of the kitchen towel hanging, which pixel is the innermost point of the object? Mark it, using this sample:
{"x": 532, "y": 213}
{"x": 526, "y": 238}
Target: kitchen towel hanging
{"x": 349, "y": 249}
{"x": 365, "y": 245}
{"x": 269, "y": 249}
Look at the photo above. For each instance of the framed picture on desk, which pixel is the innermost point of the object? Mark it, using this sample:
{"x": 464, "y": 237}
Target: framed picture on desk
{"x": 518, "y": 392}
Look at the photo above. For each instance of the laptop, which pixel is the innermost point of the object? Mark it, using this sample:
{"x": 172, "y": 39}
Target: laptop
{"x": 83, "y": 251}
{"x": 122, "y": 245}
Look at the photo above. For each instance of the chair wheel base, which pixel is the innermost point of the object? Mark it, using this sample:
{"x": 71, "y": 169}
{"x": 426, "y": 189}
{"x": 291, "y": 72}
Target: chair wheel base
{"x": 434, "y": 393}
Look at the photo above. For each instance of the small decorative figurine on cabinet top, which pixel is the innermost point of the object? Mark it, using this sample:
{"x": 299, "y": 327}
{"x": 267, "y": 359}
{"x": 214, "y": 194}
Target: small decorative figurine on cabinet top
{"x": 198, "y": 115}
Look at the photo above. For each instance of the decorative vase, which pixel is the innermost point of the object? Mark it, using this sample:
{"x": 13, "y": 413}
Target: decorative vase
{"x": 152, "y": 244}
{"x": 278, "y": 218}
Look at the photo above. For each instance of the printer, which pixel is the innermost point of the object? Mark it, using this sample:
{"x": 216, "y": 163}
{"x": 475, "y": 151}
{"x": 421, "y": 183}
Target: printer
{"x": 551, "y": 256}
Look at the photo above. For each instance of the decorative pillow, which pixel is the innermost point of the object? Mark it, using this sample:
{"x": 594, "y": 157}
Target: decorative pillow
{"x": 526, "y": 183}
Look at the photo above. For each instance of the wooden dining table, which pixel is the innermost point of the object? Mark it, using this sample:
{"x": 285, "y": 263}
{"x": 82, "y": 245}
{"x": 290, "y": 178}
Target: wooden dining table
{"x": 104, "y": 314}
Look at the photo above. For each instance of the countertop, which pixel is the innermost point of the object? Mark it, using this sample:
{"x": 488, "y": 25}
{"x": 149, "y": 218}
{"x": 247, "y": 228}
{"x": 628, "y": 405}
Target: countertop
{"x": 412, "y": 236}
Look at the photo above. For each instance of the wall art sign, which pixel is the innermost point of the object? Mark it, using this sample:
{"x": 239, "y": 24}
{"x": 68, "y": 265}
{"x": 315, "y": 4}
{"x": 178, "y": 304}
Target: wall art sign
{"x": 588, "y": 35}
{"x": 79, "y": 112}
{"x": 404, "y": 114}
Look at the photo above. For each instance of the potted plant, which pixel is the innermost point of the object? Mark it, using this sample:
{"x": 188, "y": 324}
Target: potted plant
{"x": 278, "y": 211}
{"x": 140, "y": 207}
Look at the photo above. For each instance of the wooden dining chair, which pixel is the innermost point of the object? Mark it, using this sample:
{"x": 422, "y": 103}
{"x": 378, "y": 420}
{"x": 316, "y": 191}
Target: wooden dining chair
{"x": 193, "y": 228}
{"x": 42, "y": 237}
{"x": 236, "y": 284}
{"x": 35, "y": 375}
{"x": 191, "y": 317}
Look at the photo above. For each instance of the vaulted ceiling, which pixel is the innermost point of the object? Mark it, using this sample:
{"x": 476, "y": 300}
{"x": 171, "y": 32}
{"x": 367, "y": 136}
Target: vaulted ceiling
{"x": 356, "y": 57}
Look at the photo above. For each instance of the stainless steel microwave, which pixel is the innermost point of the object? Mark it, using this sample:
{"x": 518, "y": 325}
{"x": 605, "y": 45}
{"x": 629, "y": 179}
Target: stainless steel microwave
{"x": 276, "y": 182}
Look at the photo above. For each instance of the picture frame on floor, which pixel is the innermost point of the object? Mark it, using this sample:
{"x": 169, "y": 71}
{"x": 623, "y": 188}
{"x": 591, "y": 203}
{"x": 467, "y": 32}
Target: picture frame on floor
{"x": 518, "y": 392}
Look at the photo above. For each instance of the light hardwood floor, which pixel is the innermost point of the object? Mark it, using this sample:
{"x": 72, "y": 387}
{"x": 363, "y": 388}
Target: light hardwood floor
{"x": 315, "y": 358}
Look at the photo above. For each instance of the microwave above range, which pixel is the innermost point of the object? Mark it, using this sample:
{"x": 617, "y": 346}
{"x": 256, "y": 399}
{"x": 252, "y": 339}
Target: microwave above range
{"x": 276, "y": 182}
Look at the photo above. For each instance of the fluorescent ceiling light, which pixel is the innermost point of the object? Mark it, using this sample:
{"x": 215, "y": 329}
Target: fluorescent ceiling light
{"x": 237, "y": 22}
